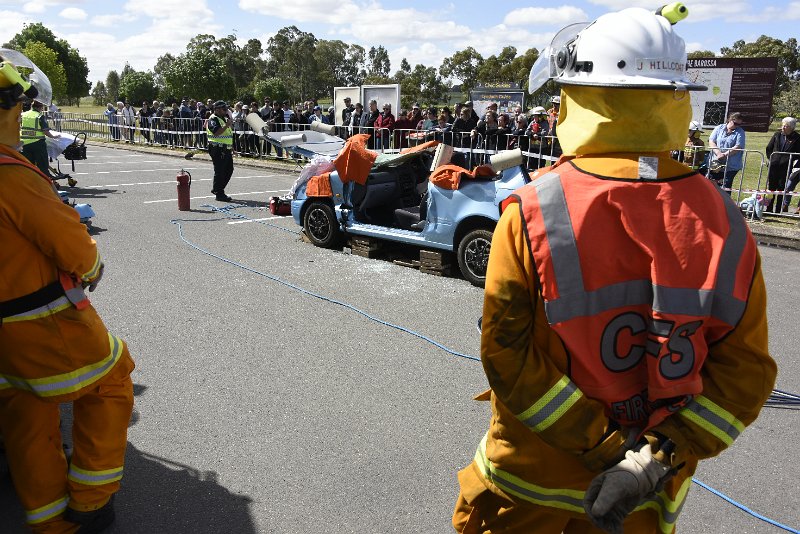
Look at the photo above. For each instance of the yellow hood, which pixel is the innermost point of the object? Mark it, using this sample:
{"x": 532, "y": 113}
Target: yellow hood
{"x": 9, "y": 126}
{"x": 602, "y": 120}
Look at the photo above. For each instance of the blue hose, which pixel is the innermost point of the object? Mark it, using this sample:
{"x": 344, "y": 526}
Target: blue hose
{"x": 779, "y": 396}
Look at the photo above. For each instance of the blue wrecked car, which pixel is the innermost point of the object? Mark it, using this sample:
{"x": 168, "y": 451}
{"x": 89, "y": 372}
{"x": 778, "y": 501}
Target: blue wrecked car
{"x": 399, "y": 203}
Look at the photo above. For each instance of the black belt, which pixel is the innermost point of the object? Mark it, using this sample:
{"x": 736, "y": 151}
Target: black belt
{"x": 31, "y": 301}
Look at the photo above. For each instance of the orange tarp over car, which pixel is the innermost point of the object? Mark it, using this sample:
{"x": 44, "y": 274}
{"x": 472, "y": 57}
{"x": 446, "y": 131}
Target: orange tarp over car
{"x": 355, "y": 161}
{"x": 319, "y": 186}
{"x": 449, "y": 176}
{"x": 420, "y": 147}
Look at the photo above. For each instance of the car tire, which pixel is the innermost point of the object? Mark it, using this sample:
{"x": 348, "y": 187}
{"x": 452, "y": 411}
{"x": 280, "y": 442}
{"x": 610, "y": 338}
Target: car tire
{"x": 321, "y": 226}
{"x": 473, "y": 255}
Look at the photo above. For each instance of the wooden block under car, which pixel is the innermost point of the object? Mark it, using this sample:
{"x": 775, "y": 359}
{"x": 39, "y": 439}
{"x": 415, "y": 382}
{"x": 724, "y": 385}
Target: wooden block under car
{"x": 434, "y": 262}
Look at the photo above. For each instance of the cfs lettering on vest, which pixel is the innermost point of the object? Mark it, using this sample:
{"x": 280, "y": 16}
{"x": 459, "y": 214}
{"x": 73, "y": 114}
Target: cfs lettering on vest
{"x": 636, "y": 320}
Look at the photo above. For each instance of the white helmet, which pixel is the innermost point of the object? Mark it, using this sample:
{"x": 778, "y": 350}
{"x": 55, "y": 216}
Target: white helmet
{"x": 538, "y": 110}
{"x": 633, "y": 48}
{"x": 695, "y": 126}
{"x": 555, "y": 99}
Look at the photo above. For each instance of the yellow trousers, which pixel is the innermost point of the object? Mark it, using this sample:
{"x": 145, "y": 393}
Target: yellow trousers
{"x": 480, "y": 511}
{"x": 45, "y": 483}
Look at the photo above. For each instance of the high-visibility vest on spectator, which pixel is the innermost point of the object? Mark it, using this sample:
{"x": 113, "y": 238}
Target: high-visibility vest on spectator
{"x": 31, "y": 128}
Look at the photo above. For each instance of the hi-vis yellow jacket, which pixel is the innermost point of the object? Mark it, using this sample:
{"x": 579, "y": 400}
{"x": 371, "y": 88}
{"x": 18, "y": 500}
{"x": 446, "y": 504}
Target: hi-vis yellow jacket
{"x": 548, "y": 439}
{"x": 55, "y": 350}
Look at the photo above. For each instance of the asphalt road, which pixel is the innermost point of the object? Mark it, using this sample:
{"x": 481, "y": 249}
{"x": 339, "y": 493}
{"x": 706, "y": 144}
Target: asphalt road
{"x": 263, "y": 409}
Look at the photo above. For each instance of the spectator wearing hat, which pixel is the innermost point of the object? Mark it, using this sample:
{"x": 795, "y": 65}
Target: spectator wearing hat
{"x": 347, "y": 111}
{"x": 317, "y": 116}
{"x": 220, "y": 143}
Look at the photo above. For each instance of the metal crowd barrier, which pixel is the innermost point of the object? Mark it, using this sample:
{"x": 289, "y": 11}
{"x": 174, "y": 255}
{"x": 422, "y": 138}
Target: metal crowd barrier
{"x": 190, "y": 134}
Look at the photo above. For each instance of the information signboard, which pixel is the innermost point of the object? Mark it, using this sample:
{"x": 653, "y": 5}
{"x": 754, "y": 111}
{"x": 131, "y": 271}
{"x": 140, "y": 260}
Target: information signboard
{"x": 746, "y": 85}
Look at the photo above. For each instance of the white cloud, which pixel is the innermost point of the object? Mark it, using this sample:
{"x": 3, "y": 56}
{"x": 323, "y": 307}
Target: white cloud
{"x": 156, "y": 35}
{"x": 12, "y": 24}
{"x": 368, "y": 23}
{"x": 427, "y": 54}
{"x": 34, "y": 7}
{"x": 73, "y": 13}
{"x": 545, "y": 16}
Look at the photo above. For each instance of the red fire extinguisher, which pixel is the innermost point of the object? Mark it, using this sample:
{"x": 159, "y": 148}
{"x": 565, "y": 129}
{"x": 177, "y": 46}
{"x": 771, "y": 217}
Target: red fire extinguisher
{"x": 184, "y": 183}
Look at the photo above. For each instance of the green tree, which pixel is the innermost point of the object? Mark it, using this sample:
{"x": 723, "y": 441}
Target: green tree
{"x": 344, "y": 65}
{"x": 519, "y": 70}
{"x": 787, "y": 52}
{"x": 161, "y": 66}
{"x": 99, "y": 94}
{"x": 463, "y": 65}
{"x": 137, "y": 87}
{"x": 75, "y": 66}
{"x": 47, "y": 60}
{"x": 497, "y": 68}
{"x": 243, "y": 63}
{"x": 700, "y": 53}
{"x": 112, "y": 86}
{"x": 787, "y": 104}
{"x": 378, "y": 63}
{"x": 273, "y": 88}
{"x": 201, "y": 75}
{"x": 420, "y": 84}
{"x": 291, "y": 58}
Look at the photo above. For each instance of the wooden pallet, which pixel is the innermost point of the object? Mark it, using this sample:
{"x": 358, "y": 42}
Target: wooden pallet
{"x": 368, "y": 247}
{"x": 434, "y": 262}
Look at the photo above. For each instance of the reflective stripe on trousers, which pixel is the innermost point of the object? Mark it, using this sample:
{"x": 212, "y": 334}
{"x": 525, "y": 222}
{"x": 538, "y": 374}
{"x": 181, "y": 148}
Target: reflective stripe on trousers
{"x": 551, "y": 406}
{"x": 574, "y": 301}
{"x": 94, "y": 478}
{"x": 571, "y": 500}
{"x": 47, "y": 511}
{"x": 65, "y": 383}
{"x": 713, "y": 419}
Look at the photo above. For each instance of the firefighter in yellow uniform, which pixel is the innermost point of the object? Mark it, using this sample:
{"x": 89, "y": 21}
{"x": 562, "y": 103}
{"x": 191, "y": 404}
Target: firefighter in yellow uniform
{"x": 53, "y": 345}
{"x": 624, "y": 323}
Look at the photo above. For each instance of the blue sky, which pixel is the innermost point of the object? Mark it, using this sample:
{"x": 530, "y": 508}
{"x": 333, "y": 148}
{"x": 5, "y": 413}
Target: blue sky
{"x": 109, "y": 33}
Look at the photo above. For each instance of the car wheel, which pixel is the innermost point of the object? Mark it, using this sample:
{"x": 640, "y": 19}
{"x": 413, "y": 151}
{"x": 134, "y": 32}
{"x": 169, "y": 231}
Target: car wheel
{"x": 321, "y": 225}
{"x": 473, "y": 255}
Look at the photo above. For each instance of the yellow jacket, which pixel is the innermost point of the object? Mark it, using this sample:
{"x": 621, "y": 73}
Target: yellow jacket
{"x": 525, "y": 363}
{"x": 55, "y": 351}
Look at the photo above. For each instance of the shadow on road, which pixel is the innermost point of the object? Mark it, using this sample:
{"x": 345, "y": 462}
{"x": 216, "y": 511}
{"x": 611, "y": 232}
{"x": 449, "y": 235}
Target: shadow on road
{"x": 157, "y": 495}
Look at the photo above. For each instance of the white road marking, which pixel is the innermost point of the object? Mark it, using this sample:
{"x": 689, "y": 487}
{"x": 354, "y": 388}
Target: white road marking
{"x": 212, "y": 196}
{"x": 262, "y": 219}
{"x": 174, "y": 182}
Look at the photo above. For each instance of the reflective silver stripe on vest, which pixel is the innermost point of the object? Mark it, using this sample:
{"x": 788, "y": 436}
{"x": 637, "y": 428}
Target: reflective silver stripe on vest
{"x": 75, "y": 295}
{"x": 574, "y": 301}
{"x": 560, "y": 236}
{"x": 47, "y": 511}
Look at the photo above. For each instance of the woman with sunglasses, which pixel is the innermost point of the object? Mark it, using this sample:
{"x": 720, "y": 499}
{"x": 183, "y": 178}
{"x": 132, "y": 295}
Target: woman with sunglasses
{"x": 726, "y": 144}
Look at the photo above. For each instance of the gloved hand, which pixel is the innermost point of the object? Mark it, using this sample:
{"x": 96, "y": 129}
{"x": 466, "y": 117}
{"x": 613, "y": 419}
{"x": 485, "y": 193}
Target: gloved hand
{"x": 615, "y": 493}
{"x": 93, "y": 284}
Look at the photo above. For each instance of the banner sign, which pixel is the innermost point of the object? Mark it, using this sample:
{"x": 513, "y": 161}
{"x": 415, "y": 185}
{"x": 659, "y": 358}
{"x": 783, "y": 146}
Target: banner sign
{"x": 746, "y": 85}
{"x": 506, "y": 100}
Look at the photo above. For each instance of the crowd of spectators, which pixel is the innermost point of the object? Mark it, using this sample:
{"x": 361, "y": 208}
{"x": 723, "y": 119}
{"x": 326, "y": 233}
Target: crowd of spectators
{"x": 183, "y": 124}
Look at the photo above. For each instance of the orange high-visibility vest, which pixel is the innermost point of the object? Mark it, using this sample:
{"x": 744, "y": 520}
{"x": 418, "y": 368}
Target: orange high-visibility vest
{"x": 639, "y": 278}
